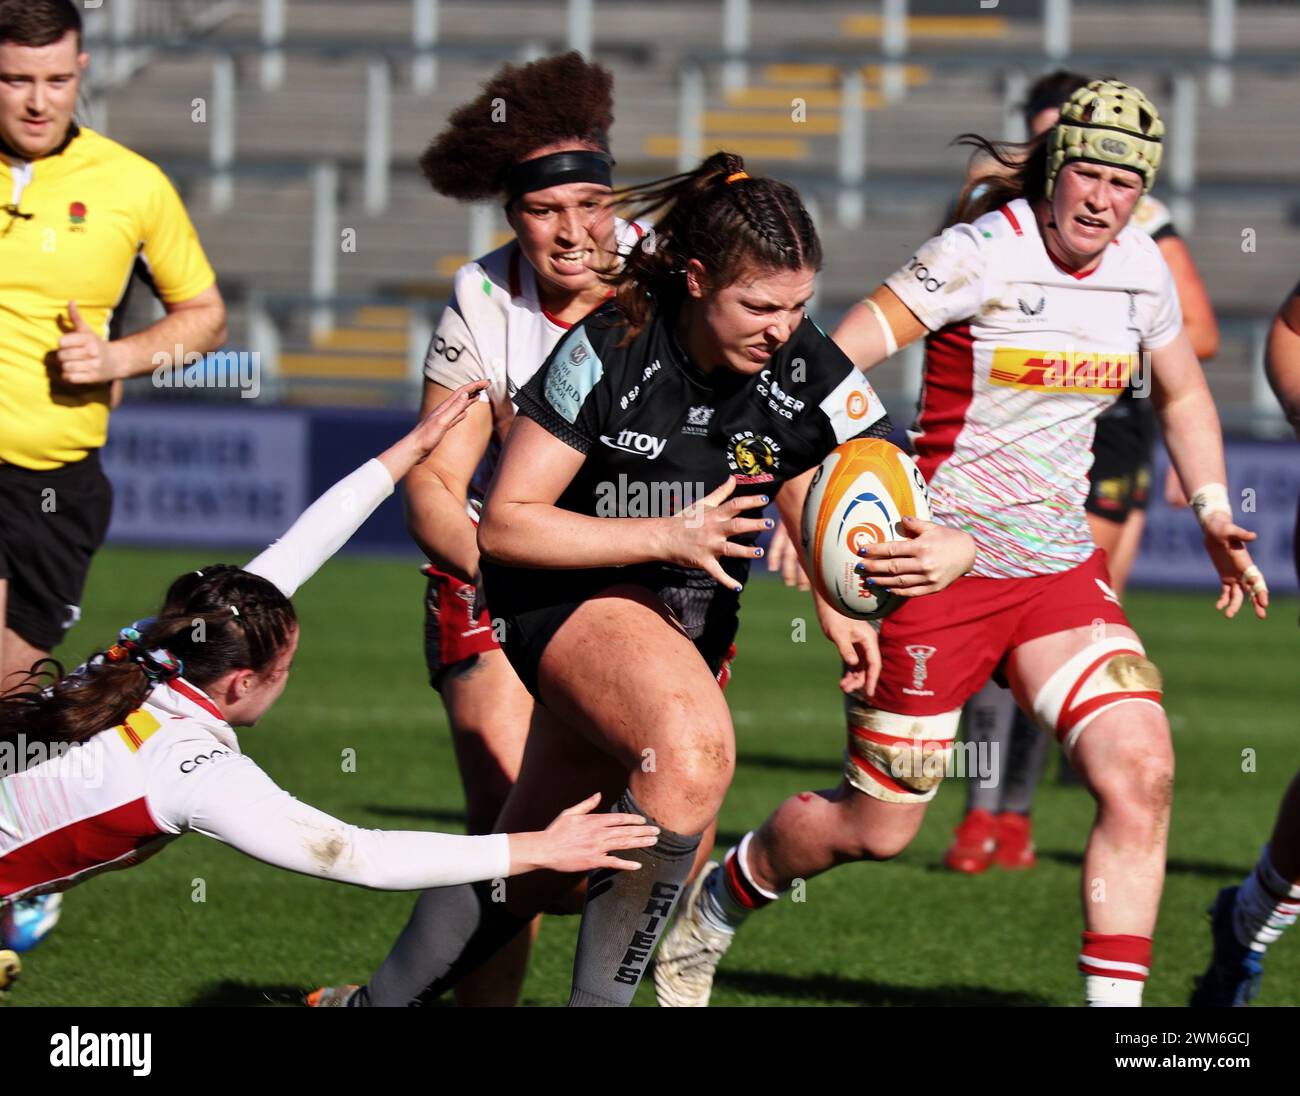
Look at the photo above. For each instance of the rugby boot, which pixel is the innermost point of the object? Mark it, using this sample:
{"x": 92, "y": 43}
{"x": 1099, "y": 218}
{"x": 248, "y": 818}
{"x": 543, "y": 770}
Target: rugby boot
{"x": 1235, "y": 971}
{"x": 331, "y": 996}
{"x": 29, "y": 921}
{"x": 1015, "y": 842}
{"x": 974, "y": 843}
{"x": 10, "y": 967}
{"x": 690, "y": 952}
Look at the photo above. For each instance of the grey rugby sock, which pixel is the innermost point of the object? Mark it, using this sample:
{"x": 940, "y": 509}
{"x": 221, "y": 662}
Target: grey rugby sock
{"x": 626, "y": 914}
{"x": 1024, "y": 765}
{"x": 989, "y": 717}
{"x": 451, "y": 932}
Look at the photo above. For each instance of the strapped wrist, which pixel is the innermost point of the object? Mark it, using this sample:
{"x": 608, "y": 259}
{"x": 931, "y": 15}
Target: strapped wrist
{"x": 1209, "y": 500}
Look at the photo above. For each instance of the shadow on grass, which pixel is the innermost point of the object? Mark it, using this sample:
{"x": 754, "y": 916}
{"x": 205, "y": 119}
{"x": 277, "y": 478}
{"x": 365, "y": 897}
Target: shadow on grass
{"x": 831, "y": 989}
{"x": 1176, "y": 866}
{"x": 832, "y": 767}
{"x": 230, "y": 994}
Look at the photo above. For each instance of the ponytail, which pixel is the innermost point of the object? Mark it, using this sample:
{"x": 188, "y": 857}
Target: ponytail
{"x": 722, "y": 217}
{"x": 1021, "y": 172}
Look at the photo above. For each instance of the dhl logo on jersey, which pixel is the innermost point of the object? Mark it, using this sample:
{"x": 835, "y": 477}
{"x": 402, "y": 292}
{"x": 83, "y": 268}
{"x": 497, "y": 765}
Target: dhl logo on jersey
{"x": 1081, "y": 372}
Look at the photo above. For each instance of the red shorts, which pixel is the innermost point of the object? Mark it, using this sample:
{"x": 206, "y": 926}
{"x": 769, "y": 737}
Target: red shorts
{"x": 724, "y": 671}
{"x": 939, "y": 650}
{"x": 452, "y": 631}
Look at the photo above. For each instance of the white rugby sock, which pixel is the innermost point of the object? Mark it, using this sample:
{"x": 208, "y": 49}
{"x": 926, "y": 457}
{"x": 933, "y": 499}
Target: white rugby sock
{"x": 1102, "y": 992}
{"x": 1115, "y": 968}
{"x": 731, "y": 895}
{"x": 1267, "y": 904}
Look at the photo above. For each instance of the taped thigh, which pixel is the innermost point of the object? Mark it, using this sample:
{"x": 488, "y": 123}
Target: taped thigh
{"x": 1107, "y": 673}
{"x": 897, "y": 758}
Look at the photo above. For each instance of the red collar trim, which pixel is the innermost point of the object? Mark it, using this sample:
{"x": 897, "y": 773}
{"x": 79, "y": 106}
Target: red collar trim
{"x": 516, "y": 288}
{"x": 188, "y": 691}
{"x": 1075, "y": 274}
{"x": 1006, "y": 212}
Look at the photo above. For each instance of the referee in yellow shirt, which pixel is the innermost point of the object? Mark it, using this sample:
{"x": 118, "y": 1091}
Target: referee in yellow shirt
{"x": 79, "y": 211}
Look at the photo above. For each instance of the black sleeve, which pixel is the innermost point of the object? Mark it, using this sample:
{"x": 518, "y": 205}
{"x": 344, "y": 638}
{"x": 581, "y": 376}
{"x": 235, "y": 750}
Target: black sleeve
{"x": 849, "y": 407}
{"x": 881, "y": 428}
{"x": 569, "y": 394}
{"x": 1165, "y": 232}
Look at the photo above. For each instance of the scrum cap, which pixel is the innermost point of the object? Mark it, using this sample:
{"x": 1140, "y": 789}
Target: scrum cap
{"x": 1107, "y": 123}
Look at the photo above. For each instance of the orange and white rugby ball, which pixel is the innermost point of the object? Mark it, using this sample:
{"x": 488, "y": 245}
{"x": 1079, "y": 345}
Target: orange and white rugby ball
{"x": 858, "y": 497}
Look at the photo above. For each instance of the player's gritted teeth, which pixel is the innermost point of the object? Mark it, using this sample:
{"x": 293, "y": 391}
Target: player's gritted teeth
{"x": 569, "y": 263}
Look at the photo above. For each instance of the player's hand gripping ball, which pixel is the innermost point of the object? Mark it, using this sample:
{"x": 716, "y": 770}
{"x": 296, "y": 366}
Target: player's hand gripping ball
{"x": 857, "y": 498}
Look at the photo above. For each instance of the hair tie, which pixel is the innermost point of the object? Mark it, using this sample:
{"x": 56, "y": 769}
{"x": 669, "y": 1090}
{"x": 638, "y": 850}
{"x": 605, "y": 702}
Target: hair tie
{"x": 199, "y": 573}
{"x": 234, "y": 610}
{"x": 736, "y": 175}
{"x": 158, "y": 664}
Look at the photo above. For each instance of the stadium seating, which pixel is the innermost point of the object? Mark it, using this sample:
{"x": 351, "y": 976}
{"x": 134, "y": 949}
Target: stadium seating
{"x": 262, "y": 243}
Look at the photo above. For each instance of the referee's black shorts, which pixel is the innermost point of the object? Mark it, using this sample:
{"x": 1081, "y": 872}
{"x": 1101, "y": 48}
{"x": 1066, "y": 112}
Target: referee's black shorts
{"x": 1120, "y": 479}
{"x": 534, "y": 604}
{"x": 51, "y": 523}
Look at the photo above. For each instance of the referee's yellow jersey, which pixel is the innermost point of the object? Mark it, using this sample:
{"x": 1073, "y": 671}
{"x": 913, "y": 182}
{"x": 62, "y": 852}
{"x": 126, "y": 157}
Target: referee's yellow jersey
{"x": 72, "y": 225}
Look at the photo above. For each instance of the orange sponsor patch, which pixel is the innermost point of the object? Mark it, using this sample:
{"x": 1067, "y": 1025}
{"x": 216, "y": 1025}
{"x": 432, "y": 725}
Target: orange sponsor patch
{"x": 1081, "y": 372}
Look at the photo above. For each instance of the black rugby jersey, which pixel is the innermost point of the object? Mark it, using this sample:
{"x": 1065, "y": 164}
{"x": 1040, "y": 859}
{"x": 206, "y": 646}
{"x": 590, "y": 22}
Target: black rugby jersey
{"x": 659, "y": 434}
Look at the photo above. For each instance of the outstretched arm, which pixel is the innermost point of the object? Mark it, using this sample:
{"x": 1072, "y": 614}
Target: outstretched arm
{"x": 329, "y": 522}
{"x": 232, "y": 800}
{"x": 1190, "y": 423}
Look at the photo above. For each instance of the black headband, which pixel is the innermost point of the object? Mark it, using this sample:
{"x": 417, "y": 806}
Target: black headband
{"x": 578, "y": 166}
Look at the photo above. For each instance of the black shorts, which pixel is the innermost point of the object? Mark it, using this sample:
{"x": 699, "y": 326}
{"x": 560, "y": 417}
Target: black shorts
{"x": 51, "y": 523}
{"x": 1120, "y": 479}
{"x": 533, "y": 605}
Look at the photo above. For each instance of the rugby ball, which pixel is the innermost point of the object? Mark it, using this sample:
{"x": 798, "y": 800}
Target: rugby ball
{"x": 858, "y": 497}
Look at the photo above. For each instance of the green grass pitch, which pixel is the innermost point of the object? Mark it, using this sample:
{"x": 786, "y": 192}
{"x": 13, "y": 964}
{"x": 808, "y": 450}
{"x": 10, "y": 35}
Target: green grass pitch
{"x": 902, "y": 933}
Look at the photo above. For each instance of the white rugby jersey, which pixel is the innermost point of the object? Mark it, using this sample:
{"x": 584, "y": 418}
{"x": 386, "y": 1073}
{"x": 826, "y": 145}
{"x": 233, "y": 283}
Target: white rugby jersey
{"x": 1022, "y": 357}
{"x": 495, "y": 329}
{"x": 174, "y": 766}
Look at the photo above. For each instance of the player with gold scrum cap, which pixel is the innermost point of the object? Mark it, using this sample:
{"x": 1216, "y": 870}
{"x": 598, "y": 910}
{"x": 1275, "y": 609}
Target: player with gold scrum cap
{"x": 1036, "y": 307}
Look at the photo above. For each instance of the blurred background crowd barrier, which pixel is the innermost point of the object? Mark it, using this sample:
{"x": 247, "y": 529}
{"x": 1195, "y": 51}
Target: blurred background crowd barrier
{"x": 292, "y": 128}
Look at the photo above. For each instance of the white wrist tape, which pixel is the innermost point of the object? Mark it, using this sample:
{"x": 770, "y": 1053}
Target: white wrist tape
{"x": 1252, "y": 578}
{"x": 891, "y": 344}
{"x": 1210, "y": 500}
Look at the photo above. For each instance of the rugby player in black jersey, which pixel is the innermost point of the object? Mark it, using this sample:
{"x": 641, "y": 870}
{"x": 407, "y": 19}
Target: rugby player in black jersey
{"x": 617, "y": 536}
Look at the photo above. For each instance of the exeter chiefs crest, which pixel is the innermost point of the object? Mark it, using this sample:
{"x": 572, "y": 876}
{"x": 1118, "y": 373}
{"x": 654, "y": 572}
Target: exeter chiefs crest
{"x": 752, "y": 457}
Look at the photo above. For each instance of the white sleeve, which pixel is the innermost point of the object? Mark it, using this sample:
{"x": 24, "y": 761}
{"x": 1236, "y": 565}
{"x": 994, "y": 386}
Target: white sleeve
{"x": 324, "y": 527}
{"x": 200, "y": 787}
{"x": 944, "y": 281}
{"x": 455, "y": 356}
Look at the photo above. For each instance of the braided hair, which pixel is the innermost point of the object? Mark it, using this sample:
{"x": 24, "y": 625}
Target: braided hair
{"x": 721, "y": 216}
{"x": 212, "y": 621}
